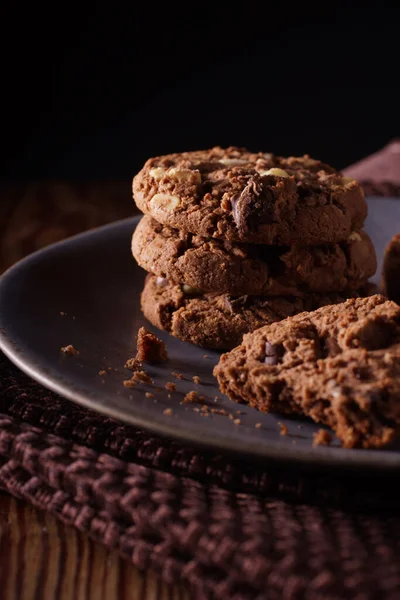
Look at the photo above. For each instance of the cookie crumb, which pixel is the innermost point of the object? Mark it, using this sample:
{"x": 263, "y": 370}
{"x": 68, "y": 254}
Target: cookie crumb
{"x": 258, "y": 425}
{"x": 102, "y": 372}
{"x": 192, "y": 397}
{"x": 236, "y": 421}
{"x": 177, "y": 375}
{"x": 168, "y": 411}
{"x": 63, "y": 314}
{"x": 238, "y": 412}
{"x": 322, "y": 438}
{"x": 171, "y": 387}
{"x": 69, "y": 350}
{"x": 196, "y": 409}
{"x": 219, "y": 411}
{"x": 138, "y": 377}
{"x": 283, "y": 430}
{"x": 196, "y": 379}
{"x": 216, "y": 398}
{"x": 149, "y": 395}
{"x": 231, "y": 417}
{"x": 133, "y": 364}
{"x": 205, "y": 356}
{"x": 149, "y": 347}
{"x": 129, "y": 383}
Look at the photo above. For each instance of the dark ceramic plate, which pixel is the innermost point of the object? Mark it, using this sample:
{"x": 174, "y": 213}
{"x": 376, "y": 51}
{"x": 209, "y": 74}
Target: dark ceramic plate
{"x": 93, "y": 279}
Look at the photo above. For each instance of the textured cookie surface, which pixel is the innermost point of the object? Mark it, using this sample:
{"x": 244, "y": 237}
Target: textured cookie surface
{"x": 218, "y": 320}
{"x": 339, "y": 365}
{"x": 213, "y": 265}
{"x": 391, "y": 270}
{"x": 233, "y": 194}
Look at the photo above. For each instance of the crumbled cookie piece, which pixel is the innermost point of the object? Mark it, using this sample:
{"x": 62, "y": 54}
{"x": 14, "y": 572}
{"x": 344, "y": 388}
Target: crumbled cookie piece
{"x": 63, "y": 314}
{"x": 171, "y": 387}
{"x": 149, "y": 347}
{"x": 391, "y": 270}
{"x": 258, "y": 425}
{"x": 102, "y": 372}
{"x": 69, "y": 350}
{"x": 196, "y": 379}
{"x": 236, "y": 421}
{"x": 177, "y": 375}
{"x": 338, "y": 365}
{"x": 149, "y": 395}
{"x": 322, "y": 438}
{"x": 283, "y": 430}
{"x": 168, "y": 411}
{"x": 133, "y": 364}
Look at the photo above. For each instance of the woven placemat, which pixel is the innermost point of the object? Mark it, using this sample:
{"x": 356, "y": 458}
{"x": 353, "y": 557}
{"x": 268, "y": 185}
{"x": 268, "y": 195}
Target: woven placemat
{"x": 223, "y": 527}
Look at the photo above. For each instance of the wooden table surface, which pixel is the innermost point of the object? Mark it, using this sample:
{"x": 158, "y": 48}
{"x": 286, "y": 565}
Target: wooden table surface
{"x": 40, "y": 557}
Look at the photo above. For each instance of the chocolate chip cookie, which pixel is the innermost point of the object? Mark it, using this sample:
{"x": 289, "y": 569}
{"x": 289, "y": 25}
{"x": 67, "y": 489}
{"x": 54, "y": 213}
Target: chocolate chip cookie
{"x": 214, "y": 265}
{"x": 236, "y": 195}
{"x": 391, "y": 270}
{"x": 339, "y": 365}
{"x": 219, "y": 320}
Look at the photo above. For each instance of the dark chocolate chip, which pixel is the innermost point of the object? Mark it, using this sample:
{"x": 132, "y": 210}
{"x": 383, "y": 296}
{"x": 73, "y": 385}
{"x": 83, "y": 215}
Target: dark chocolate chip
{"x": 273, "y": 353}
{"x": 254, "y": 206}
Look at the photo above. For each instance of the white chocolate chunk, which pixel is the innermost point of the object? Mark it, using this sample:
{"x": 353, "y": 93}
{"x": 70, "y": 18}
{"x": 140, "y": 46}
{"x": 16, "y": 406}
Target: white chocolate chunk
{"x": 157, "y": 173}
{"x": 164, "y": 202}
{"x": 275, "y": 172}
{"x": 233, "y": 162}
{"x": 354, "y": 237}
{"x": 192, "y": 291}
{"x": 185, "y": 175}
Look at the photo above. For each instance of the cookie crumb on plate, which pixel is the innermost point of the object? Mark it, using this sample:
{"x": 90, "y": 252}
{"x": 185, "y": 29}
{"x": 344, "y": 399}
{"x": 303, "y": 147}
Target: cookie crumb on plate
{"x": 283, "y": 430}
{"x": 171, "y": 387}
{"x": 322, "y": 438}
{"x": 69, "y": 350}
{"x": 177, "y": 375}
{"x": 168, "y": 411}
{"x": 138, "y": 377}
{"x": 196, "y": 379}
{"x": 133, "y": 364}
{"x": 192, "y": 397}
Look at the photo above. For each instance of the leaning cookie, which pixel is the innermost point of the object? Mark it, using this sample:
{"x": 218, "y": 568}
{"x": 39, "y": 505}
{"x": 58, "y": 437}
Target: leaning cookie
{"x": 232, "y": 268}
{"x": 219, "y": 320}
{"x": 259, "y": 198}
{"x": 339, "y": 365}
{"x": 391, "y": 270}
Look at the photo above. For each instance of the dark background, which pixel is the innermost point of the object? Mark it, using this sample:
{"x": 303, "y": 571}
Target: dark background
{"x": 91, "y": 93}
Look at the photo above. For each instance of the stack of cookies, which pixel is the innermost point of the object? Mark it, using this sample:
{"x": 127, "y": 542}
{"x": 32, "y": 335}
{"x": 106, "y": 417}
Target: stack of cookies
{"x": 234, "y": 240}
